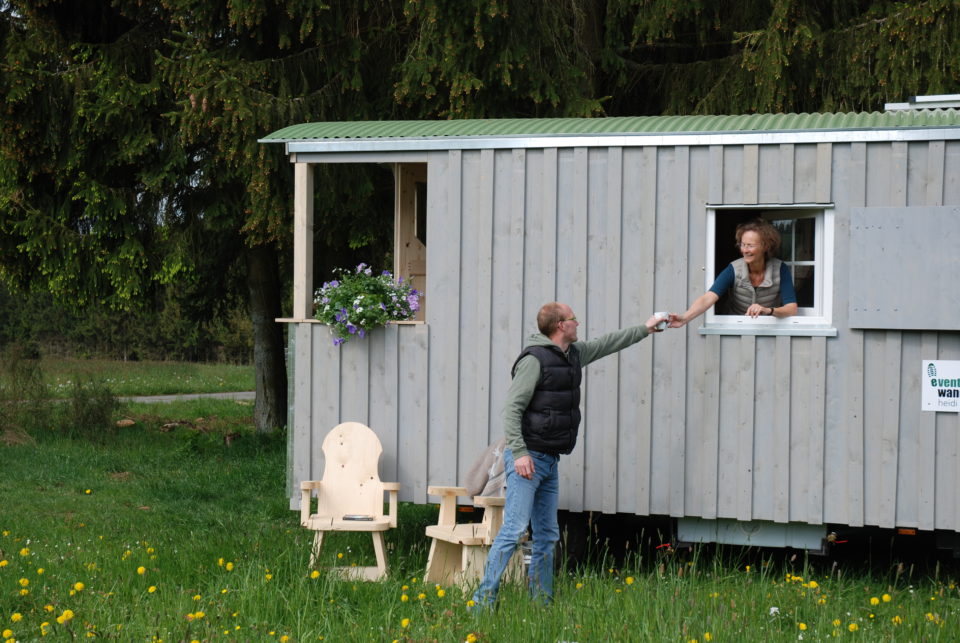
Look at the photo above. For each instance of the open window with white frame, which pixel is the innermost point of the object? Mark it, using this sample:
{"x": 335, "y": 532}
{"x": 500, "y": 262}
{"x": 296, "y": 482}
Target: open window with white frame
{"x": 806, "y": 236}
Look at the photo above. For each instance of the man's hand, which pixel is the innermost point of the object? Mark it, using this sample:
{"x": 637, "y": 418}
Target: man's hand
{"x": 524, "y": 467}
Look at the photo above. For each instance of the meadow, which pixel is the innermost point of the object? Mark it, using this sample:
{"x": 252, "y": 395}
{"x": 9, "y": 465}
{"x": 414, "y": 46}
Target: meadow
{"x": 178, "y": 528}
{"x": 146, "y": 377}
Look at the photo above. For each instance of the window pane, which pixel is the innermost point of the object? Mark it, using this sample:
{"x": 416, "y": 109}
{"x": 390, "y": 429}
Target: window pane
{"x": 803, "y": 283}
{"x": 785, "y": 227}
{"x": 804, "y": 230}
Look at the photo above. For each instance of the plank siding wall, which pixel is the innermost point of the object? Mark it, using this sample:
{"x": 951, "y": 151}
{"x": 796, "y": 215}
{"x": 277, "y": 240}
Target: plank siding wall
{"x": 783, "y": 429}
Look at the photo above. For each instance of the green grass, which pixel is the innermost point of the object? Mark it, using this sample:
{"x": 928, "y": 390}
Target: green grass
{"x": 147, "y": 378}
{"x": 163, "y": 524}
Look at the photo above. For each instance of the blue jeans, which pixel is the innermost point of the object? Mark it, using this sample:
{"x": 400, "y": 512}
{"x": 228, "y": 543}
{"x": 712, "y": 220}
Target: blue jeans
{"x": 532, "y": 502}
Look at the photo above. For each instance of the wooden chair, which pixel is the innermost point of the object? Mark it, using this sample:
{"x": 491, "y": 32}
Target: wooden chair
{"x": 458, "y": 551}
{"x": 350, "y": 495}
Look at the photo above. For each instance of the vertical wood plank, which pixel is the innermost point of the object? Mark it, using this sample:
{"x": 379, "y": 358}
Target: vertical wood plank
{"x": 355, "y": 381}
{"x": 609, "y": 398}
{"x": 414, "y": 406}
{"x": 787, "y": 176}
{"x": 637, "y": 269}
{"x": 780, "y": 423}
{"x": 301, "y": 453}
{"x": 824, "y": 189}
{"x": 926, "y": 465}
{"x": 484, "y": 424}
{"x": 443, "y": 286}
{"x": 302, "y": 241}
{"x": 890, "y": 429}
{"x": 716, "y": 175}
{"x": 548, "y": 234}
{"x": 936, "y": 158}
{"x": 853, "y": 425}
{"x": 746, "y": 371}
{"x": 751, "y": 173}
{"x": 711, "y": 428}
{"x": 572, "y": 289}
{"x": 816, "y": 428}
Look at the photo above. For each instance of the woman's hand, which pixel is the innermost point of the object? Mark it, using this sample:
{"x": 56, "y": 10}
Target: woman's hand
{"x": 756, "y": 310}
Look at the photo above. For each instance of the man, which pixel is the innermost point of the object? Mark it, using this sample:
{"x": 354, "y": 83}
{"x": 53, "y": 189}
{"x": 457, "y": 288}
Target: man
{"x": 541, "y": 418}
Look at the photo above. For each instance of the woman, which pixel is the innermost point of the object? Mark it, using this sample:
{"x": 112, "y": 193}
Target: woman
{"x": 759, "y": 283}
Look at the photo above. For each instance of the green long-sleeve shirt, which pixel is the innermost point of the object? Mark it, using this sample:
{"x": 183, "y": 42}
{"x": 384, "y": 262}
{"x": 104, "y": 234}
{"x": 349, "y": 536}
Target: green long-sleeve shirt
{"x": 528, "y": 374}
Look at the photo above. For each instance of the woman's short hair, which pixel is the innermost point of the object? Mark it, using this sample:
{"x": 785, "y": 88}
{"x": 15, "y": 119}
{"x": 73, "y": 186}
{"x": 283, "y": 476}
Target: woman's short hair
{"x": 768, "y": 235}
{"x": 549, "y": 317}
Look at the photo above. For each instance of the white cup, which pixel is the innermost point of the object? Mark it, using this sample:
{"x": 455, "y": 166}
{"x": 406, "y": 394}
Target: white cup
{"x": 664, "y": 318}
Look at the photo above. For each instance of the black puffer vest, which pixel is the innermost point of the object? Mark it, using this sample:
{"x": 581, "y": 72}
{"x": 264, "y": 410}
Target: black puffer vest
{"x": 552, "y": 418}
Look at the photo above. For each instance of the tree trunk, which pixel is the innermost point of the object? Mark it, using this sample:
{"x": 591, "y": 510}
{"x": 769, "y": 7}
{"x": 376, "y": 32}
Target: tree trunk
{"x": 263, "y": 279}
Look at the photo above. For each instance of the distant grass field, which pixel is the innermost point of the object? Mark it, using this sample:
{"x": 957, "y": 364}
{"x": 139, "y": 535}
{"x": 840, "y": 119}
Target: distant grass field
{"x": 147, "y": 378}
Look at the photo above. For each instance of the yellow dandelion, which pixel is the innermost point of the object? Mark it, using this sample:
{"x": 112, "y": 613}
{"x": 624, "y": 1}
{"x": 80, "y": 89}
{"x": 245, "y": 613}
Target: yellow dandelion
{"x": 24, "y": 582}
{"x": 802, "y": 626}
{"x": 40, "y": 570}
{"x": 7, "y": 634}
{"x": 748, "y": 568}
{"x": 896, "y": 620}
{"x": 196, "y": 597}
{"x": 853, "y": 627}
{"x": 284, "y": 638}
{"x": 24, "y": 592}
{"x": 198, "y": 614}
{"x": 822, "y": 601}
{"x": 471, "y": 638}
{"x": 579, "y": 585}
{"x": 441, "y": 593}
{"x": 87, "y": 491}
{"x": 141, "y": 570}
{"x": 404, "y": 598}
{"x": 269, "y": 576}
{"x": 874, "y": 600}
{"x": 4, "y": 562}
{"x": 421, "y": 596}
{"x": 405, "y": 588}
{"x": 471, "y": 603}
{"x": 16, "y": 617}
{"x": 220, "y": 562}
{"x": 813, "y": 584}
{"x": 707, "y": 636}
{"x": 78, "y": 586}
{"x": 836, "y": 622}
{"x": 629, "y": 580}
{"x": 886, "y": 598}
{"x": 405, "y": 623}
{"x": 229, "y": 567}
{"x": 48, "y": 608}
{"x": 314, "y": 574}
{"x": 930, "y": 616}
{"x": 25, "y": 551}
{"x": 339, "y": 554}
{"x": 152, "y": 589}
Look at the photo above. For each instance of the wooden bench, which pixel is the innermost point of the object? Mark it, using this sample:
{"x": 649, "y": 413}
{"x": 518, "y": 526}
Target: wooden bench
{"x": 458, "y": 551}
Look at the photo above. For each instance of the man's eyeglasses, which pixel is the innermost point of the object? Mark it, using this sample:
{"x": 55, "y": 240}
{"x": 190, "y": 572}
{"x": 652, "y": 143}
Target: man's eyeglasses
{"x": 569, "y": 319}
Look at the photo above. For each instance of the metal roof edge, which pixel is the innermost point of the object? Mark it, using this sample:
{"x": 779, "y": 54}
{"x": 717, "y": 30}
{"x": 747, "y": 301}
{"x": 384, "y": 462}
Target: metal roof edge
{"x": 434, "y": 143}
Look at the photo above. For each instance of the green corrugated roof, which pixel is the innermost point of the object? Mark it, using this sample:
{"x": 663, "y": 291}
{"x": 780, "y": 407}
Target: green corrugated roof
{"x": 625, "y": 125}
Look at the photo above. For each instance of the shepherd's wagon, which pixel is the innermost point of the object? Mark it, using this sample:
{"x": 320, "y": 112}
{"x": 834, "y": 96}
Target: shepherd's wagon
{"x": 767, "y": 431}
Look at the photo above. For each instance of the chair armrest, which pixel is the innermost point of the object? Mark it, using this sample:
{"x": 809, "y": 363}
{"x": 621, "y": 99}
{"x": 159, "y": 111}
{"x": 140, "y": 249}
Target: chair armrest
{"x": 492, "y": 515}
{"x": 448, "y": 503}
{"x": 447, "y": 491}
{"x": 489, "y": 501}
{"x": 306, "y": 495}
{"x": 392, "y": 488}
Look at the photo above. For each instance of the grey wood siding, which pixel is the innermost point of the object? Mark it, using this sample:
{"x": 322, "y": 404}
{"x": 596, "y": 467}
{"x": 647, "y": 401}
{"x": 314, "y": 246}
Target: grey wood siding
{"x": 805, "y": 429}
{"x": 904, "y": 265}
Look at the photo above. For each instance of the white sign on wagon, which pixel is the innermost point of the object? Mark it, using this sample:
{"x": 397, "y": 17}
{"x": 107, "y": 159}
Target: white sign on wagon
{"x": 940, "y": 385}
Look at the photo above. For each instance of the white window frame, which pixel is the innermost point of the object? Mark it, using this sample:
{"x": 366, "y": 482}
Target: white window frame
{"x": 814, "y": 321}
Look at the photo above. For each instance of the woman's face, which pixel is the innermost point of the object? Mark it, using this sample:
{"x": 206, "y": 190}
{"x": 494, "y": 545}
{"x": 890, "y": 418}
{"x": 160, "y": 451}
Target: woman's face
{"x": 751, "y": 247}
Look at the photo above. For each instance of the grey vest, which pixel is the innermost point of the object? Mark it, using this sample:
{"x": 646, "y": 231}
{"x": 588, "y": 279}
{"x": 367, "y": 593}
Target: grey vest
{"x": 744, "y": 293}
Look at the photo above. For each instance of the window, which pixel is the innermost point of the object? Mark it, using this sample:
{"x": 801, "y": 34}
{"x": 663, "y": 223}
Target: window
{"x": 806, "y": 235}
